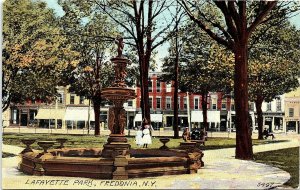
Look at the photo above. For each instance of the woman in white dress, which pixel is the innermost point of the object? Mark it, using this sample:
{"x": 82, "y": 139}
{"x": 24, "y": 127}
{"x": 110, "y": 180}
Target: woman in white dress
{"x": 146, "y": 136}
{"x": 139, "y": 137}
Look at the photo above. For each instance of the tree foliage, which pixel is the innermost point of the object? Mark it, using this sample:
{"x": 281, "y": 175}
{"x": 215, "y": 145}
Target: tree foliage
{"x": 273, "y": 66}
{"x": 35, "y": 54}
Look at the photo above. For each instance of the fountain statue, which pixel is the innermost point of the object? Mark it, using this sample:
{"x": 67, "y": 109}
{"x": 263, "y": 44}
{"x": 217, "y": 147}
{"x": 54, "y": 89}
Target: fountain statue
{"x": 118, "y": 94}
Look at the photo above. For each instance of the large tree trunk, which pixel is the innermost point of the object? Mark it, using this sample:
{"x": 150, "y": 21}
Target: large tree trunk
{"x": 175, "y": 124}
{"x": 97, "y": 116}
{"x": 258, "y": 103}
{"x": 145, "y": 90}
{"x": 204, "y": 110}
{"x": 243, "y": 137}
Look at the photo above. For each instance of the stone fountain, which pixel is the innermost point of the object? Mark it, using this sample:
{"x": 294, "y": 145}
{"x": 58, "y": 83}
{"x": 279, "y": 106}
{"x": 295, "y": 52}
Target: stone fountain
{"x": 116, "y": 160}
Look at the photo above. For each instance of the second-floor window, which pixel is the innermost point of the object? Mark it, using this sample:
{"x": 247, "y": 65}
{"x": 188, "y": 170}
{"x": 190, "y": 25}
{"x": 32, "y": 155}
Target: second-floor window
{"x": 196, "y": 103}
{"x": 278, "y": 104}
{"x": 291, "y": 112}
{"x": 184, "y": 103}
{"x": 168, "y": 102}
{"x": 169, "y": 87}
{"x": 150, "y": 85}
{"x": 81, "y": 100}
{"x": 72, "y": 98}
{"x": 158, "y": 103}
{"x": 223, "y": 106}
{"x": 150, "y": 102}
{"x": 269, "y": 106}
{"x": 60, "y": 98}
{"x": 157, "y": 86}
{"x": 214, "y": 103}
{"x": 232, "y": 107}
{"x": 130, "y": 103}
{"x": 251, "y": 106}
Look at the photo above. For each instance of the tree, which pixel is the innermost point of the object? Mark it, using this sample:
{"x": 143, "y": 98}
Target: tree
{"x": 273, "y": 66}
{"x": 35, "y": 54}
{"x": 144, "y": 26}
{"x": 233, "y": 29}
{"x": 94, "y": 39}
{"x": 205, "y": 67}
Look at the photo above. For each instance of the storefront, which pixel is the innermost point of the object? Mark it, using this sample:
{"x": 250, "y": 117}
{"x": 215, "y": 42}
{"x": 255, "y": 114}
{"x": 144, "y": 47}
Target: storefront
{"x": 23, "y": 116}
{"x": 213, "y": 119}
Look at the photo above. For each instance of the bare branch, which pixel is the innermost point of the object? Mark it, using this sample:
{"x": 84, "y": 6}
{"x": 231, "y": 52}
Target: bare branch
{"x": 204, "y": 27}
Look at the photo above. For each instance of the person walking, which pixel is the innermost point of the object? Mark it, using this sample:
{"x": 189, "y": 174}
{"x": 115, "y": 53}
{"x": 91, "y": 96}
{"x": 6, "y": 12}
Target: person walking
{"x": 139, "y": 137}
{"x": 146, "y": 136}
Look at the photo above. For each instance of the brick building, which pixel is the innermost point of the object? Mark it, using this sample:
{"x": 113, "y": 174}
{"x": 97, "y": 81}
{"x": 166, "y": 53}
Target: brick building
{"x": 161, "y": 98}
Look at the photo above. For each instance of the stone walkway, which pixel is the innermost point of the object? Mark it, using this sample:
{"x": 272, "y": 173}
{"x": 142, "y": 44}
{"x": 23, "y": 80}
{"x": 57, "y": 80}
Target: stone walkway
{"x": 221, "y": 171}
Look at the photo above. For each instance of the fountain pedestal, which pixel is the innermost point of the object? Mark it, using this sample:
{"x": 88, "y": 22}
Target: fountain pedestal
{"x": 118, "y": 94}
{"x": 116, "y": 146}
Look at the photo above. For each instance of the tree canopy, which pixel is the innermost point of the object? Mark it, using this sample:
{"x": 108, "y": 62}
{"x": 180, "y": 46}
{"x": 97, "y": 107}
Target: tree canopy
{"x": 273, "y": 66}
{"x": 35, "y": 53}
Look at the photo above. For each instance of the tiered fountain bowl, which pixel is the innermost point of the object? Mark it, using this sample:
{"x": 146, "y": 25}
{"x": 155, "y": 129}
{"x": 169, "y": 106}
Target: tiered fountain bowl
{"x": 116, "y": 160}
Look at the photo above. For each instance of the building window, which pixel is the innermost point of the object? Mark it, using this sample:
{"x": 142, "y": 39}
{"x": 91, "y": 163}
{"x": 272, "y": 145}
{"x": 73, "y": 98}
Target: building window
{"x": 150, "y": 102}
{"x": 130, "y": 103}
{"x": 291, "y": 112}
{"x": 72, "y": 98}
{"x": 158, "y": 103}
{"x": 223, "y": 106}
{"x": 14, "y": 116}
{"x": 269, "y": 106}
{"x": 168, "y": 102}
{"x": 278, "y": 104}
{"x": 60, "y": 98}
{"x": 214, "y": 103}
{"x": 178, "y": 103}
{"x": 184, "y": 103}
{"x": 196, "y": 103}
{"x": 81, "y": 100}
{"x": 150, "y": 85}
{"x": 232, "y": 107}
{"x": 157, "y": 86}
{"x": 169, "y": 87}
{"x": 251, "y": 106}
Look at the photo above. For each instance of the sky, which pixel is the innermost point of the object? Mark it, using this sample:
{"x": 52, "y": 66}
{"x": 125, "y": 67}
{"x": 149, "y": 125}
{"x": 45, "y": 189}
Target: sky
{"x": 162, "y": 51}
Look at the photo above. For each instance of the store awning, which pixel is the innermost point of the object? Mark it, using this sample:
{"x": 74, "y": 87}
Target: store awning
{"x": 79, "y": 114}
{"x": 50, "y": 113}
{"x": 212, "y": 116}
{"x": 154, "y": 117}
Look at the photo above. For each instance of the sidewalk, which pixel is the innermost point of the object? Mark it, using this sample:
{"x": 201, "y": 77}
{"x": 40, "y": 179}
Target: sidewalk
{"x": 221, "y": 171}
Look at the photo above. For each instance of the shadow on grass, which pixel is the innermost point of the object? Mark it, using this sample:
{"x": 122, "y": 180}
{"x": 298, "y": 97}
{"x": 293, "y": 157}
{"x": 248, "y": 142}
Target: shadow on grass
{"x": 7, "y": 155}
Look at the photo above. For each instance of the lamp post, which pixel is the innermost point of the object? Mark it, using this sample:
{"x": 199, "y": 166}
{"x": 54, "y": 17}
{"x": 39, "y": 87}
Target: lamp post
{"x": 188, "y": 110}
{"x": 229, "y": 112}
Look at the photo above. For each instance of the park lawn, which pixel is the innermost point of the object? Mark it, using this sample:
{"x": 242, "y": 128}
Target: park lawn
{"x": 90, "y": 141}
{"x": 285, "y": 159}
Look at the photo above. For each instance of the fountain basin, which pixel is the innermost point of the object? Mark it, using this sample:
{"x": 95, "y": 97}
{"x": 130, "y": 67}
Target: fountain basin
{"x": 118, "y": 93}
{"x": 82, "y": 162}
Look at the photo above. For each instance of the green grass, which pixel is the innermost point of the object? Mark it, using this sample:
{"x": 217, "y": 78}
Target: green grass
{"x": 89, "y": 141}
{"x": 285, "y": 159}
